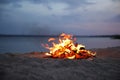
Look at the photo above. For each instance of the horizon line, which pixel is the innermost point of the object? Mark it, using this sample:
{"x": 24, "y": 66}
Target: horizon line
{"x": 29, "y": 35}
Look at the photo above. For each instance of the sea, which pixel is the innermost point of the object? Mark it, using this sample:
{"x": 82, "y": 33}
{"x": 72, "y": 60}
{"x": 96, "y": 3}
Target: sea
{"x": 34, "y": 44}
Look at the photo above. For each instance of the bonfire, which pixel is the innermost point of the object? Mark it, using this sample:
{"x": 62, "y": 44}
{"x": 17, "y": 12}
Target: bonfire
{"x": 68, "y": 48}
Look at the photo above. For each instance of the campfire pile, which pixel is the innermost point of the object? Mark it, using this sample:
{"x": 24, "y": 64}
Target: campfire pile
{"x": 68, "y": 48}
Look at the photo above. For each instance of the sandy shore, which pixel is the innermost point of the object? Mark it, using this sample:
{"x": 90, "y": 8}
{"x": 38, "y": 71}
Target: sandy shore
{"x": 32, "y": 66}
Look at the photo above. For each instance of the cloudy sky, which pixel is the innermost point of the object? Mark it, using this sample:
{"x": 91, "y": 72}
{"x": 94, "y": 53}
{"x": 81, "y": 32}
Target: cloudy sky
{"x": 81, "y": 17}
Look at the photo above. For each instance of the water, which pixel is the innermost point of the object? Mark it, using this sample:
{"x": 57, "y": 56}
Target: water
{"x": 30, "y": 44}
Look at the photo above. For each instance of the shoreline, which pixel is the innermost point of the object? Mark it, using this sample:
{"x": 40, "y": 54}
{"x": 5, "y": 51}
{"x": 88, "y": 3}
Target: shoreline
{"x": 111, "y": 52}
{"x": 33, "y": 66}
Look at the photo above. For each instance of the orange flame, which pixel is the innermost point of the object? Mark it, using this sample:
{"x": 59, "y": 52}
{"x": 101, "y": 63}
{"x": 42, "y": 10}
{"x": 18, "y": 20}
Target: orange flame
{"x": 68, "y": 48}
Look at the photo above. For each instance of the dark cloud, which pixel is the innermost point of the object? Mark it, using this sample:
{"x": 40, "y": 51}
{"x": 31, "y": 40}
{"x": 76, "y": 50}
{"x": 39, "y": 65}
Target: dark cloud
{"x": 9, "y": 1}
{"x": 26, "y": 28}
{"x": 17, "y": 5}
{"x": 72, "y": 3}
{"x": 116, "y": 18}
{"x": 38, "y": 30}
{"x": 5, "y": 3}
{"x": 116, "y": 0}
{"x": 78, "y": 2}
{"x": 38, "y": 1}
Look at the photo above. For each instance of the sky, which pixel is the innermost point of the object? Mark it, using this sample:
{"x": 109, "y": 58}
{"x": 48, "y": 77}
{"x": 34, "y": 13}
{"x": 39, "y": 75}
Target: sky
{"x": 48, "y": 17}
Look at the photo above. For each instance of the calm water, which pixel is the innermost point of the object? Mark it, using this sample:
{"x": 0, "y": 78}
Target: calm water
{"x": 29, "y": 44}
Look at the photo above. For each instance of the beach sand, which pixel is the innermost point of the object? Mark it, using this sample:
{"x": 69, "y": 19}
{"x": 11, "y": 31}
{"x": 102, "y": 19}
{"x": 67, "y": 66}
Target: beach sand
{"x": 34, "y": 66}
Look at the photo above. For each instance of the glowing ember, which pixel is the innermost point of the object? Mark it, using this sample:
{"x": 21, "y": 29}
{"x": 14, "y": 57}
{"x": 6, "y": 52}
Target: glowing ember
{"x": 68, "y": 48}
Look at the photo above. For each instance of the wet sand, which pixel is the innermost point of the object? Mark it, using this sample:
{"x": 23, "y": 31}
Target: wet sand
{"x": 34, "y": 66}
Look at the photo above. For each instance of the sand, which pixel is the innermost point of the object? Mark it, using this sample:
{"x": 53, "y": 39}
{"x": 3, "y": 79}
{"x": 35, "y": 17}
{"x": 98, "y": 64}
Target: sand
{"x": 33, "y": 66}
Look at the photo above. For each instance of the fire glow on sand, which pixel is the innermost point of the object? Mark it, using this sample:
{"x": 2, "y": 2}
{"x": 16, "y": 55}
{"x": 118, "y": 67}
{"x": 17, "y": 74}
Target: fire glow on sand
{"x": 67, "y": 48}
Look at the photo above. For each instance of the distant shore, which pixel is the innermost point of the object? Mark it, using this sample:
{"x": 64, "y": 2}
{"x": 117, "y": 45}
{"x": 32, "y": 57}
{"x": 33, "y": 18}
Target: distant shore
{"x": 34, "y": 66}
{"x": 111, "y": 36}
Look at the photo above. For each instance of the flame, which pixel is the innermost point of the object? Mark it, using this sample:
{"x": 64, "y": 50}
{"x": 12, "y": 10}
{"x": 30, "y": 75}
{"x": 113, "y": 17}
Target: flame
{"x": 68, "y": 48}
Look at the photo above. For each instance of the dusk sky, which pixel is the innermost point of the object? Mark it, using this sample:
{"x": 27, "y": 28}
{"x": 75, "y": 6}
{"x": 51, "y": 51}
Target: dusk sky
{"x": 79, "y": 17}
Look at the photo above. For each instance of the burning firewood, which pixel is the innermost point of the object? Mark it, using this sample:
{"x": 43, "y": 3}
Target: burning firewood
{"x": 68, "y": 48}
